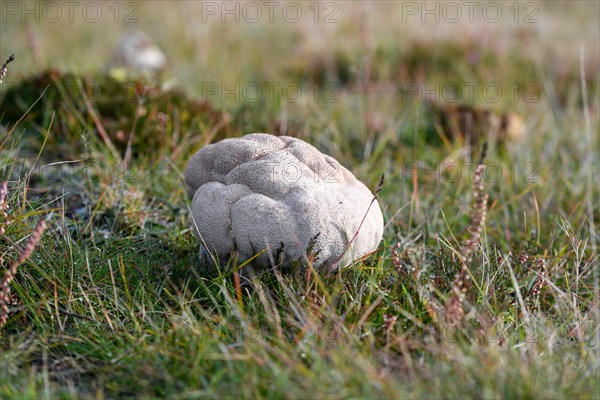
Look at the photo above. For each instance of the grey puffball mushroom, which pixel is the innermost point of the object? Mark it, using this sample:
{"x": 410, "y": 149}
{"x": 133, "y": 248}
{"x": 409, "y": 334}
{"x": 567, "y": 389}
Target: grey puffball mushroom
{"x": 276, "y": 196}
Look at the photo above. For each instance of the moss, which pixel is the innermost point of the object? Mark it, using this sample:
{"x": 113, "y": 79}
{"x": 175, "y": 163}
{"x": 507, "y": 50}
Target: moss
{"x": 157, "y": 118}
{"x": 322, "y": 69}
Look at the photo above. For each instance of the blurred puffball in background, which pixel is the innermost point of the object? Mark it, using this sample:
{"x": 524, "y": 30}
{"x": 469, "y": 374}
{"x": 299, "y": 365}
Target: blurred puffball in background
{"x": 136, "y": 55}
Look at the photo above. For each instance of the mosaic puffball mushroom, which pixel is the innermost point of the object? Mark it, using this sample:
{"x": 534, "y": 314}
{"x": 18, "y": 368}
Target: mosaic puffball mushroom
{"x": 275, "y": 197}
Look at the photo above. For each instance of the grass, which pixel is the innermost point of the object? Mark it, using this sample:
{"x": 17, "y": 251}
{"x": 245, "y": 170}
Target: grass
{"x": 112, "y": 302}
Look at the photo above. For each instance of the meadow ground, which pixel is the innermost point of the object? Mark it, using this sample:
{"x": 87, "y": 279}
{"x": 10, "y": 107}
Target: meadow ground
{"x": 111, "y": 301}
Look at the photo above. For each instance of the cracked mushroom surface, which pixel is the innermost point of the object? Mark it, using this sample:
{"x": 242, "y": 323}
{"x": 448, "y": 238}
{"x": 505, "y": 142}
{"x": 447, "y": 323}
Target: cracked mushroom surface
{"x": 273, "y": 195}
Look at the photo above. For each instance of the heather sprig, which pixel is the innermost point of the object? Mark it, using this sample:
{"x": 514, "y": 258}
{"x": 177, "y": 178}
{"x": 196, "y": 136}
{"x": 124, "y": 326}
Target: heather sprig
{"x": 11, "y": 272}
{"x": 3, "y": 206}
{"x": 455, "y": 308}
{"x": 4, "y": 69}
